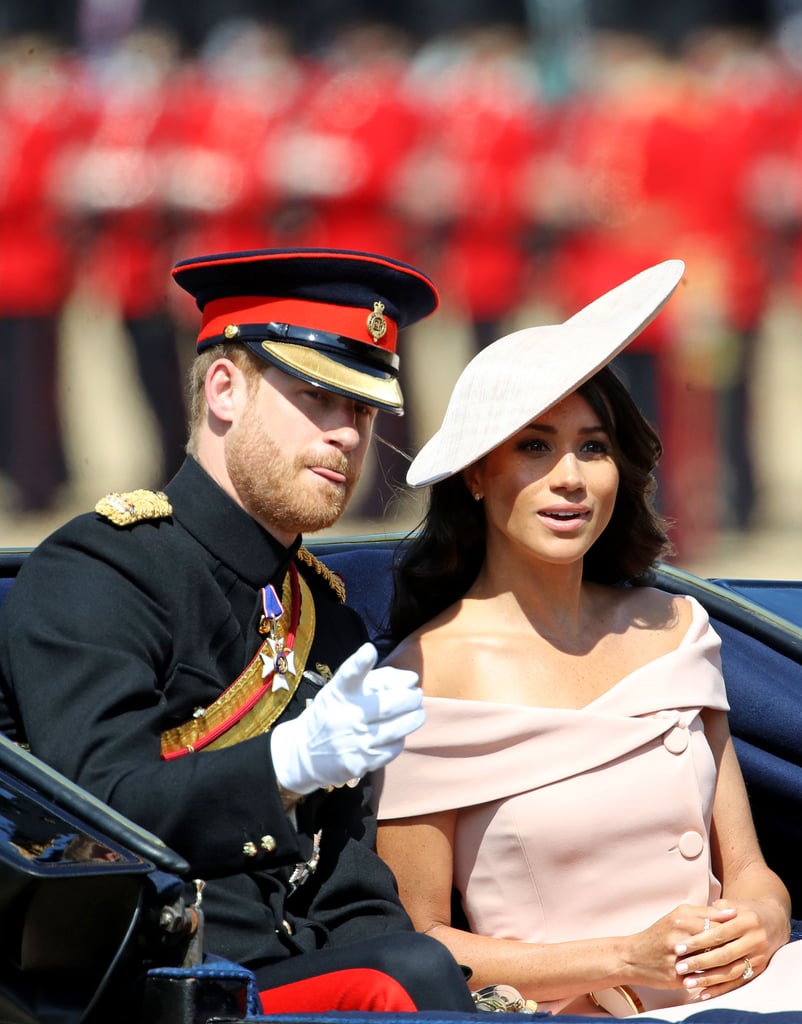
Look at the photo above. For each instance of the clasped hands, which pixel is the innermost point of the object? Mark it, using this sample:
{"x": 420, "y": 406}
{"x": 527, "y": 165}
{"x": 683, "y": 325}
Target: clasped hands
{"x": 356, "y": 724}
{"x": 709, "y": 950}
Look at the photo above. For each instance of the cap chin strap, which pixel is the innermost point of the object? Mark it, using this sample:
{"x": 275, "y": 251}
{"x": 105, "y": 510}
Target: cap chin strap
{"x": 360, "y": 353}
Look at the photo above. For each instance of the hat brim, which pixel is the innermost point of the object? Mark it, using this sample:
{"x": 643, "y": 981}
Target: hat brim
{"x": 520, "y": 376}
{"x": 381, "y": 390}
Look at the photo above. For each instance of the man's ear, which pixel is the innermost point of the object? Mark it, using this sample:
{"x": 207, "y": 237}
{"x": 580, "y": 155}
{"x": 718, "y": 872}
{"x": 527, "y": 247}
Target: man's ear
{"x": 225, "y": 388}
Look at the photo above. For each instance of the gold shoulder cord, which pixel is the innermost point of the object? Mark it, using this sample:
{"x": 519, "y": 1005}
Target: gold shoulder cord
{"x": 334, "y": 581}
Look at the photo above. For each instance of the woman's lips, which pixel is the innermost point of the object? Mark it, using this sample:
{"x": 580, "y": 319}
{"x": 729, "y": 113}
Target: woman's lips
{"x": 565, "y": 519}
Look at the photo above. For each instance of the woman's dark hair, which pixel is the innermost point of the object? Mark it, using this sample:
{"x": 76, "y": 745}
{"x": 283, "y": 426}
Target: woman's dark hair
{"x": 443, "y": 557}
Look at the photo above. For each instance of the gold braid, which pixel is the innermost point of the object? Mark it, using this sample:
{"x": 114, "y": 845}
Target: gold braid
{"x": 332, "y": 578}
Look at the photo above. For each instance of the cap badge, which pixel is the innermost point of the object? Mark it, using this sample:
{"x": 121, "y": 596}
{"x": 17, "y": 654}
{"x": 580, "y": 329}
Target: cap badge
{"x": 377, "y": 323}
{"x": 231, "y": 331}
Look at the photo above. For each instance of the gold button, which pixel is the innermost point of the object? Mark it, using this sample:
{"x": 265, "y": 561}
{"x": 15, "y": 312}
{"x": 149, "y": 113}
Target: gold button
{"x": 249, "y": 849}
{"x": 231, "y": 331}
{"x": 268, "y": 843}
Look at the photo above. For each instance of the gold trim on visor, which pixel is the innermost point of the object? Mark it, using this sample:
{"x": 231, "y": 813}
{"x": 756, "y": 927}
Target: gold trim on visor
{"x": 381, "y": 391}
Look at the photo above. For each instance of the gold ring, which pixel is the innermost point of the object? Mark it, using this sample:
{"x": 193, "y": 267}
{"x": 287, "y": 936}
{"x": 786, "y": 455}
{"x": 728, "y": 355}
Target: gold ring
{"x": 749, "y": 971}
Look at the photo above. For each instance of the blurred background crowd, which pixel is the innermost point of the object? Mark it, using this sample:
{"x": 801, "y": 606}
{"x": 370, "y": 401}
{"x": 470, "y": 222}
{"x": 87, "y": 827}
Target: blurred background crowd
{"x": 526, "y": 155}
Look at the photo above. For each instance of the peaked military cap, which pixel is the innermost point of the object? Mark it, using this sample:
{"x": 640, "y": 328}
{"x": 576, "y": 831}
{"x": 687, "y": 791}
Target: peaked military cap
{"x": 327, "y": 316}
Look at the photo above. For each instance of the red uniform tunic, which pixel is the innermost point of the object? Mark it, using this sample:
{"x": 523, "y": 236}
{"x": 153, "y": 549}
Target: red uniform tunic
{"x": 39, "y": 115}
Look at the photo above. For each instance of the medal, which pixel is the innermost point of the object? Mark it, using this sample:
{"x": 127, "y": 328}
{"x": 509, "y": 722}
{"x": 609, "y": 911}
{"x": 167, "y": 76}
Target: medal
{"x": 272, "y": 610}
{"x": 277, "y": 658}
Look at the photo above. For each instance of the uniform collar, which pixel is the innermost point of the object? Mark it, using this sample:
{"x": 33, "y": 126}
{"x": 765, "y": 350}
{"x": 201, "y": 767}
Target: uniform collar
{"x": 225, "y": 529}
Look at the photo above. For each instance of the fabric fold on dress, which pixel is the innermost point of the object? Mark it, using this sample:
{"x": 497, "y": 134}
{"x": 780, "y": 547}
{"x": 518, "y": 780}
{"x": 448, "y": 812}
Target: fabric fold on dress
{"x": 471, "y": 752}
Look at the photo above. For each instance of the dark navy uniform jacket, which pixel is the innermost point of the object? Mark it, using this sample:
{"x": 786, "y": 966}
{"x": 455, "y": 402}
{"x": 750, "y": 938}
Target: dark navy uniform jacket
{"x": 113, "y": 634}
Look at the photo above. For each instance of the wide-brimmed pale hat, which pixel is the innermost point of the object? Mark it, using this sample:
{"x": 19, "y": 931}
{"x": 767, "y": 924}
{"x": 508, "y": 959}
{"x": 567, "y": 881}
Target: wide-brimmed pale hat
{"x": 327, "y": 316}
{"x": 520, "y": 376}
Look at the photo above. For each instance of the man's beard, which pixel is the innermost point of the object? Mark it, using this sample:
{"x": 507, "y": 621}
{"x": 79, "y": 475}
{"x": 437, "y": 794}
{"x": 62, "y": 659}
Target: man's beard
{"x": 281, "y": 491}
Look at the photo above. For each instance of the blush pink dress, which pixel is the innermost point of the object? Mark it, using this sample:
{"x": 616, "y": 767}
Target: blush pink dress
{"x": 584, "y": 823}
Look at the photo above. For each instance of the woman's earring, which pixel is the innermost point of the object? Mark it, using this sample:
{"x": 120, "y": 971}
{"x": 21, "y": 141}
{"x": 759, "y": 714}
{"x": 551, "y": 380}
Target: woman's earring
{"x": 477, "y": 496}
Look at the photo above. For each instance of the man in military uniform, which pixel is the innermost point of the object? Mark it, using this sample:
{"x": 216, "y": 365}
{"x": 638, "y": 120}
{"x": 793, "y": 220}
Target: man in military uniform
{"x": 183, "y": 657}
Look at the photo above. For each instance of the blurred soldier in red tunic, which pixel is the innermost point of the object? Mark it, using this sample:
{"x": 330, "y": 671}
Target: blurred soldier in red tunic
{"x": 612, "y": 216}
{"x": 235, "y": 100}
{"x": 702, "y": 159}
{"x": 466, "y": 185}
{"x": 114, "y": 181}
{"x": 340, "y": 154}
{"x": 39, "y": 114}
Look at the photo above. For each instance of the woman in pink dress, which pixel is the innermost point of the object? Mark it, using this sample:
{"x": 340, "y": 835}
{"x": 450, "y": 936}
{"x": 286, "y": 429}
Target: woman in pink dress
{"x": 575, "y": 781}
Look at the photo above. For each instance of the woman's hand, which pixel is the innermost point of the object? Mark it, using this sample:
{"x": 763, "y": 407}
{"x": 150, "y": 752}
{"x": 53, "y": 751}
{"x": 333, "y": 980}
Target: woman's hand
{"x": 735, "y": 947}
{"x": 650, "y": 956}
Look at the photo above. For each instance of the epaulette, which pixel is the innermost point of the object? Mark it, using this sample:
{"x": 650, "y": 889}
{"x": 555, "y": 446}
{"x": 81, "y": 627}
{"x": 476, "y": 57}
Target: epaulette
{"x": 334, "y": 580}
{"x": 134, "y": 507}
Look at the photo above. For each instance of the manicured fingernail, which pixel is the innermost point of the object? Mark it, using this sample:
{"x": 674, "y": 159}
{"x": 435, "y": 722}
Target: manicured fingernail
{"x": 680, "y": 949}
{"x": 682, "y": 968}
{"x": 689, "y": 983}
{"x": 705, "y": 995}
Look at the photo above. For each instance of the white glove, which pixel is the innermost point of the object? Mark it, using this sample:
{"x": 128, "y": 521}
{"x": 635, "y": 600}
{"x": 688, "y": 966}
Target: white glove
{"x": 356, "y": 724}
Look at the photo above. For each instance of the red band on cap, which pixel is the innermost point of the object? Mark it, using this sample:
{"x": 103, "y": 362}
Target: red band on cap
{"x": 349, "y": 321}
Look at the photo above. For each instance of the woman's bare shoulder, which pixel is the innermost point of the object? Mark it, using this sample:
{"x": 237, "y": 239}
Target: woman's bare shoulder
{"x": 651, "y": 608}
{"x": 431, "y": 645}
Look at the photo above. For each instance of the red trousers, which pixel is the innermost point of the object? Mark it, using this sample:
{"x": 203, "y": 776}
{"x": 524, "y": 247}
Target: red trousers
{"x": 355, "y": 989}
{"x": 394, "y": 972}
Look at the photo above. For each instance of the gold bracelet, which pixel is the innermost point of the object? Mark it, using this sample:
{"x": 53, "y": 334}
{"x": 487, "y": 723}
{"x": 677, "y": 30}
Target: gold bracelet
{"x": 620, "y": 1001}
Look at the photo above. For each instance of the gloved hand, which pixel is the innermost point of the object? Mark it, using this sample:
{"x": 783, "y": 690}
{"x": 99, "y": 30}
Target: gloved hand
{"x": 356, "y": 724}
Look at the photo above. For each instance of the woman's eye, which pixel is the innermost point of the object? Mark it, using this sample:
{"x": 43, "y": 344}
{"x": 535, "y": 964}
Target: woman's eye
{"x": 534, "y": 445}
{"x": 596, "y": 447}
